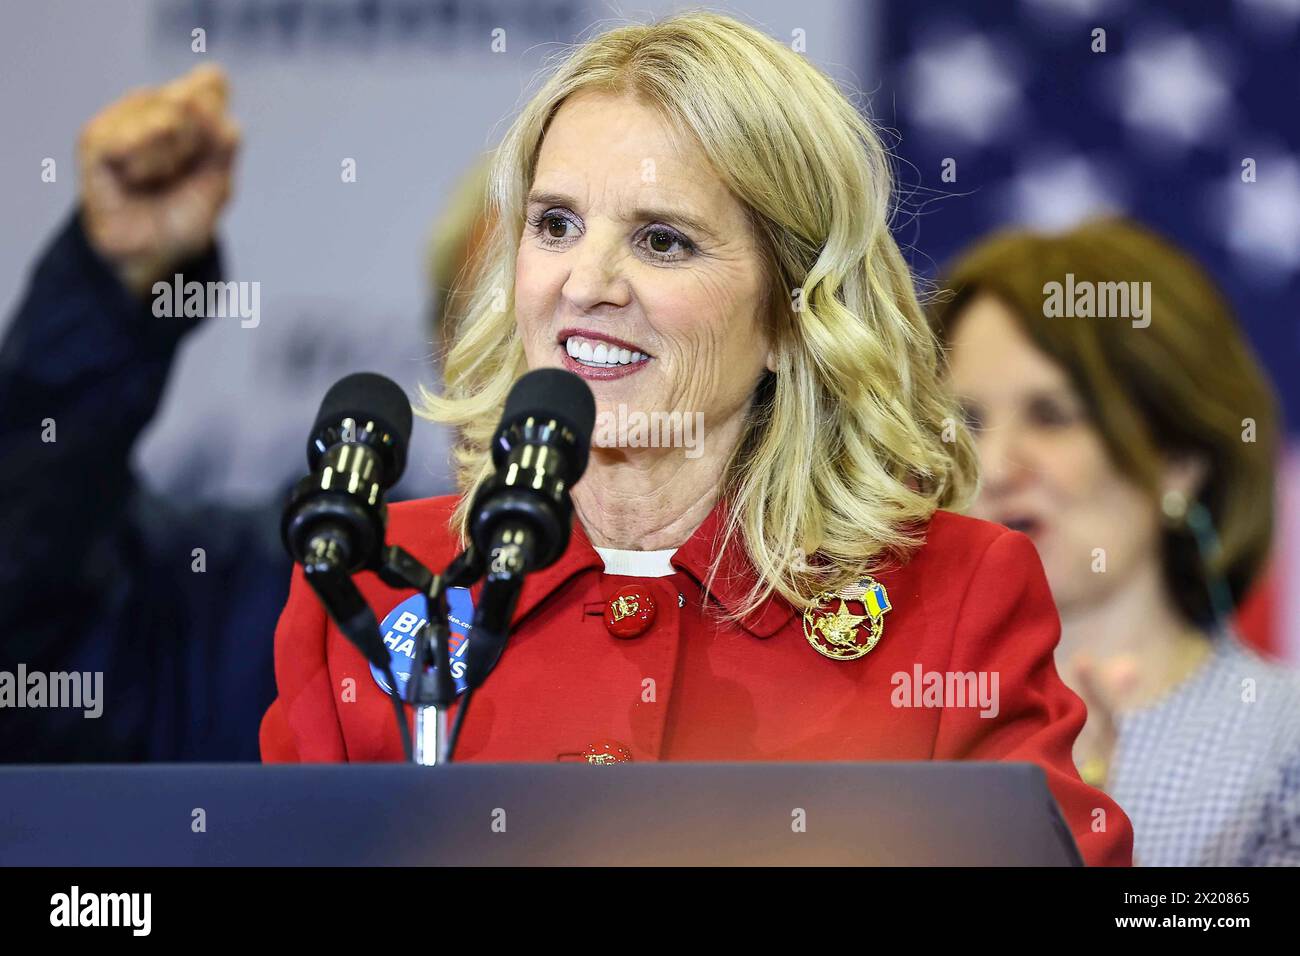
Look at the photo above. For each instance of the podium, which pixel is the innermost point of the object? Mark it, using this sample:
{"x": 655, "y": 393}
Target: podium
{"x": 633, "y": 814}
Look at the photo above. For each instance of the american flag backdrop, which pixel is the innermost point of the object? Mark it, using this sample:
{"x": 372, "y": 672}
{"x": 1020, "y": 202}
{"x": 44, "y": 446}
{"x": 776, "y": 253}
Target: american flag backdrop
{"x": 1046, "y": 121}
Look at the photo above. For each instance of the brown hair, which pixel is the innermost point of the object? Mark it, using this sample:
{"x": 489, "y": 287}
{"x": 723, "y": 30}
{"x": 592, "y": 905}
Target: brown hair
{"x": 1186, "y": 384}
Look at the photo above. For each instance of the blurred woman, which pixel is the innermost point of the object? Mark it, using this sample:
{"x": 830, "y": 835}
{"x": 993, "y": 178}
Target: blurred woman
{"x": 1123, "y": 424}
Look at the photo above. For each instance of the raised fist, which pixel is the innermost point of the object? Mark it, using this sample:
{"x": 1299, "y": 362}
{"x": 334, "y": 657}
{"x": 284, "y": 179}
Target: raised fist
{"x": 155, "y": 174}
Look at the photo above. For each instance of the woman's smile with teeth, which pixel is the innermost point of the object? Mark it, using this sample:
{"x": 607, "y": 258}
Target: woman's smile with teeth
{"x": 597, "y": 354}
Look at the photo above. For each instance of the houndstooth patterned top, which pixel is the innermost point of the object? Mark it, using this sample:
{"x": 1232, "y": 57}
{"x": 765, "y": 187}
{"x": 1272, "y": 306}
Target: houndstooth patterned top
{"x": 1210, "y": 774}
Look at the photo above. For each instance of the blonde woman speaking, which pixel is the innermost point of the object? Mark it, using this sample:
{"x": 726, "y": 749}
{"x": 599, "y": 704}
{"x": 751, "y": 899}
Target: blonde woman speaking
{"x": 693, "y": 218}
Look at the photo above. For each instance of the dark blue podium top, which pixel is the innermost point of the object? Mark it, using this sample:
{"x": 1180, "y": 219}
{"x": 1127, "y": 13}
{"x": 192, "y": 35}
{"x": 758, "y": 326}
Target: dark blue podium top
{"x": 530, "y": 814}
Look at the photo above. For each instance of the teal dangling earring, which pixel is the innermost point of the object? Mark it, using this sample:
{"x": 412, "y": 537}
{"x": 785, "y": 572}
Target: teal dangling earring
{"x": 1196, "y": 517}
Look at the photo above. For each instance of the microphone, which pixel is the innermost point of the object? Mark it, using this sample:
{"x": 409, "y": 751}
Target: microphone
{"x": 336, "y": 517}
{"x": 521, "y": 517}
{"x": 335, "y": 521}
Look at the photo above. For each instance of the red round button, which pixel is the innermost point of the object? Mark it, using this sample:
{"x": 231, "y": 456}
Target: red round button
{"x": 630, "y": 611}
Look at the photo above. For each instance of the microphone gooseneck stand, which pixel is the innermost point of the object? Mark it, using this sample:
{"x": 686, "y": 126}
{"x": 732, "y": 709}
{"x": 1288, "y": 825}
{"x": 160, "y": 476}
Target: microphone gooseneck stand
{"x": 431, "y": 688}
{"x": 325, "y": 569}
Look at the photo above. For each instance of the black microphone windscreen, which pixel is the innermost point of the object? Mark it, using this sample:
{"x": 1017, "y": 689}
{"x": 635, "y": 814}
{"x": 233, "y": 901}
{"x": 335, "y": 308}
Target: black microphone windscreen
{"x": 553, "y": 392}
{"x": 367, "y": 396}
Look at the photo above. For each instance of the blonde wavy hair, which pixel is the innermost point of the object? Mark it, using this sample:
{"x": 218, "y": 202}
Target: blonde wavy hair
{"x": 853, "y": 442}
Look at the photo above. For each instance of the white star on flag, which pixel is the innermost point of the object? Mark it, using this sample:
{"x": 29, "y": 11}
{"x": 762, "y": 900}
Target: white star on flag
{"x": 1259, "y": 222}
{"x": 1171, "y": 88}
{"x": 1057, "y": 192}
{"x": 962, "y": 86}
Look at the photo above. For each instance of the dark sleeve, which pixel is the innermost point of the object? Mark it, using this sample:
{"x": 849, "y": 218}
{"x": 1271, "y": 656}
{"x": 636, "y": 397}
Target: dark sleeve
{"x": 97, "y": 576}
{"x": 82, "y": 370}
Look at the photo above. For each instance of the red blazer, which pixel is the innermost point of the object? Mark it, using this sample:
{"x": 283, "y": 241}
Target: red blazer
{"x": 972, "y": 599}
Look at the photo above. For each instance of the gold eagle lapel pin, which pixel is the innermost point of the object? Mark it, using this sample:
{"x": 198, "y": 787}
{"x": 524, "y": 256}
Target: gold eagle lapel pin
{"x": 852, "y": 629}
